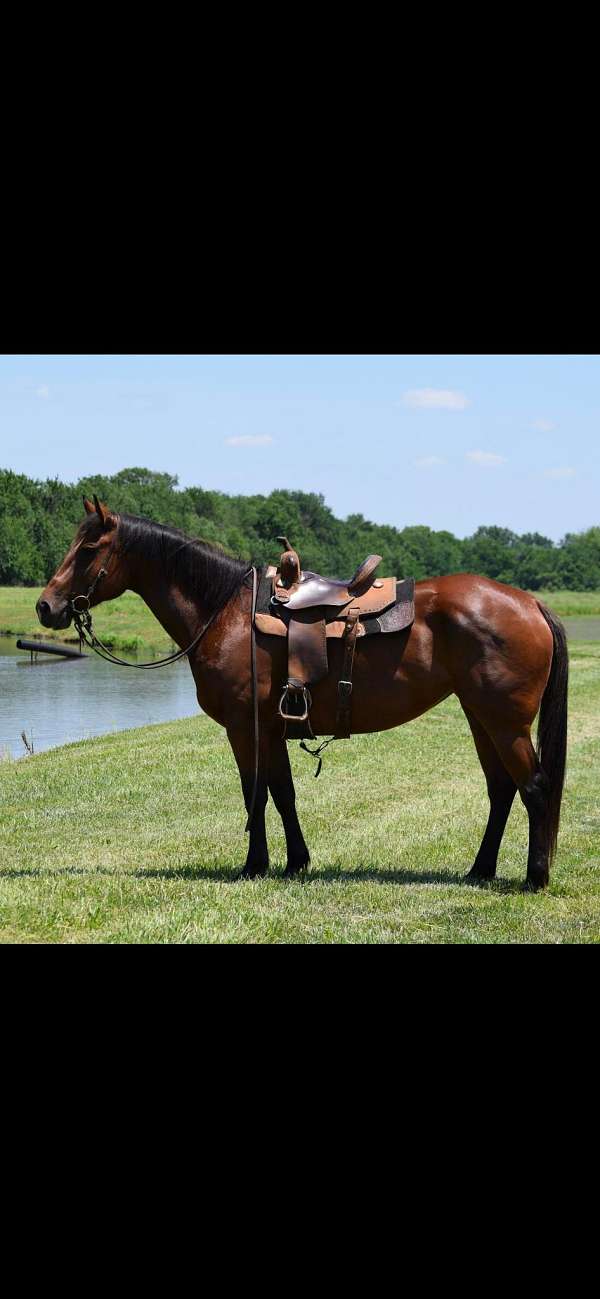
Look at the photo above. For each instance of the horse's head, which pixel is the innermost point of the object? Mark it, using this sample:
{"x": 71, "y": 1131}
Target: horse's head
{"x": 93, "y": 548}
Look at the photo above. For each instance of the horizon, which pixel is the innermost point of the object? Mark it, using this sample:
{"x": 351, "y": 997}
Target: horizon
{"x": 448, "y": 442}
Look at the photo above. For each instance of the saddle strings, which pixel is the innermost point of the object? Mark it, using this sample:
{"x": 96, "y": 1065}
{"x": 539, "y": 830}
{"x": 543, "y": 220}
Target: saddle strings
{"x": 316, "y": 753}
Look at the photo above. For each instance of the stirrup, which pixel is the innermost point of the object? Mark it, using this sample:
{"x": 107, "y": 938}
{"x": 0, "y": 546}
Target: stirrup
{"x": 292, "y": 690}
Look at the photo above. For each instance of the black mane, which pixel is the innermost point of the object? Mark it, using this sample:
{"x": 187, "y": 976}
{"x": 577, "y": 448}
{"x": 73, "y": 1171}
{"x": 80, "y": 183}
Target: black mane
{"x": 199, "y": 567}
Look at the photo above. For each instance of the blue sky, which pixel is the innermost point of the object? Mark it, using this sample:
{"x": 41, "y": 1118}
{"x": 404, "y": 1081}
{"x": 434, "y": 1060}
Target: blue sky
{"x": 449, "y": 441}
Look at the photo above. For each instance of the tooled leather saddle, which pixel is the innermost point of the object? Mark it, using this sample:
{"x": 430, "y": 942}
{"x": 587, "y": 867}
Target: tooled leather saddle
{"x": 309, "y": 610}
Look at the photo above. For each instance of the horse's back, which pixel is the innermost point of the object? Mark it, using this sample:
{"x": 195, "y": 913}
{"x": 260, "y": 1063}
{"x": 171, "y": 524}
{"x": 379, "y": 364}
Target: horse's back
{"x": 482, "y": 606}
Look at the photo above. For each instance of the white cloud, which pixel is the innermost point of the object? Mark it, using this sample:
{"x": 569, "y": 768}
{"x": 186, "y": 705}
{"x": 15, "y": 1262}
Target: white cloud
{"x": 488, "y": 459}
{"x": 429, "y": 462}
{"x": 435, "y": 399}
{"x": 250, "y": 440}
{"x": 543, "y": 425}
{"x": 564, "y": 472}
{"x": 43, "y": 391}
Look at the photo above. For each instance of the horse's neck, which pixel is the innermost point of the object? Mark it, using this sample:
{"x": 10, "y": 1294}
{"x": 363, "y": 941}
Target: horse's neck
{"x": 180, "y": 614}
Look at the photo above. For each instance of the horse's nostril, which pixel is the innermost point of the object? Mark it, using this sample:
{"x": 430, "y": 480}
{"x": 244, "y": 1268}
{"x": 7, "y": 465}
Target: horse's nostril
{"x": 43, "y": 609}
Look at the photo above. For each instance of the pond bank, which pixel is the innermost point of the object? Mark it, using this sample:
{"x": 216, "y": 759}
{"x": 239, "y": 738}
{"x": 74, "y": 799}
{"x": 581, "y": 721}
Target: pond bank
{"x": 125, "y": 624}
{"x": 57, "y": 701}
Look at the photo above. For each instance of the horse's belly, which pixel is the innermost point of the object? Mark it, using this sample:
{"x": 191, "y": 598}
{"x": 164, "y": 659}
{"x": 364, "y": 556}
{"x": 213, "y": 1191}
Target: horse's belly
{"x": 394, "y": 680}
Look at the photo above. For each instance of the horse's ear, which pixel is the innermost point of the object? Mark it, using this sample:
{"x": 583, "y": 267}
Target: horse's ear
{"x": 88, "y": 506}
{"x": 106, "y": 518}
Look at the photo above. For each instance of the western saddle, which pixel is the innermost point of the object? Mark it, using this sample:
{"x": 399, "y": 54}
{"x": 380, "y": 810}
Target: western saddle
{"x": 309, "y": 610}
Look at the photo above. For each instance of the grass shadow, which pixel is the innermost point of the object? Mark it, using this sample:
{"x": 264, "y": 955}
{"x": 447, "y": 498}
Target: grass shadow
{"x": 231, "y": 875}
{"x": 34, "y": 872}
{"x": 331, "y": 875}
{"x": 404, "y": 876}
{"x": 224, "y": 875}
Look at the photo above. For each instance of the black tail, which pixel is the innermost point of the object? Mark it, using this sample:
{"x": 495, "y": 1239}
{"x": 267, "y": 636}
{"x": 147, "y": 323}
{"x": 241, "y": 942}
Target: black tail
{"x": 552, "y": 726}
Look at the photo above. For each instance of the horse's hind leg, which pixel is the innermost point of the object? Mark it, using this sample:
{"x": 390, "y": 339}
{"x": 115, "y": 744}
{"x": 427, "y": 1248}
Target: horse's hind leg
{"x": 501, "y": 792}
{"x": 514, "y": 747}
{"x": 281, "y": 788}
{"x": 520, "y": 758}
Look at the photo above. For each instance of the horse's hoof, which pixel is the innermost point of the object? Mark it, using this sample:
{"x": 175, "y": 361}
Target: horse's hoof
{"x": 476, "y": 876}
{"x": 535, "y": 884}
{"x": 293, "y": 871}
{"x": 253, "y": 872}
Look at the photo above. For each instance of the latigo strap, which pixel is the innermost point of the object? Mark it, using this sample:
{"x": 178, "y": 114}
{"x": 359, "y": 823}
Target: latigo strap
{"x": 343, "y": 716}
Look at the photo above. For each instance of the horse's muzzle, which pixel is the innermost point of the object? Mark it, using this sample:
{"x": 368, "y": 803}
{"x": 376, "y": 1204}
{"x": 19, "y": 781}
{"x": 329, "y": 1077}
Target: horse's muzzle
{"x": 49, "y": 617}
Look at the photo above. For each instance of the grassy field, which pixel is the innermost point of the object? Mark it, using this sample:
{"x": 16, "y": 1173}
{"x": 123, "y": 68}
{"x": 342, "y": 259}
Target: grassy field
{"x": 127, "y": 624}
{"x": 138, "y": 837}
{"x": 571, "y": 604}
{"x": 124, "y": 624}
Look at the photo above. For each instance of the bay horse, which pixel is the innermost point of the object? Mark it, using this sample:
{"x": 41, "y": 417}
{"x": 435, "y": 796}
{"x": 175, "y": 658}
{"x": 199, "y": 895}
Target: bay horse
{"x": 501, "y": 651}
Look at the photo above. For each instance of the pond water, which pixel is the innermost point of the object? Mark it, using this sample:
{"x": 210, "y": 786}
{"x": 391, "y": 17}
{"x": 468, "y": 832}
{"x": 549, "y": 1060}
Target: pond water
{"x": 582, "y": 628}
{"x": 57, "y": 700}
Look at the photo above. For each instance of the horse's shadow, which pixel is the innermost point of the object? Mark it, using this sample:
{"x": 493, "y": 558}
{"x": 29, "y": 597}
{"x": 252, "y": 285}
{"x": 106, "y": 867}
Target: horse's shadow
{"x": 331, "y": 875}
{"x": 229, "y": 875}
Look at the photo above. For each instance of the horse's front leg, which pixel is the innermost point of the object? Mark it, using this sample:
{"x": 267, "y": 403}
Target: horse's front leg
{"x": 281, "y": 787}
{"x": 242, "y": 743}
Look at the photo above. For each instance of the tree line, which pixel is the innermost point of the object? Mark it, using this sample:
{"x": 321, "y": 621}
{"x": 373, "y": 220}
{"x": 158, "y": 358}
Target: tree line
{"x": 38, "y": 520}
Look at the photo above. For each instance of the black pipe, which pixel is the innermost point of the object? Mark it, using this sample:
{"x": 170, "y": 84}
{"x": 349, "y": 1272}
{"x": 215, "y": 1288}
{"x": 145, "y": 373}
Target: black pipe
{"x": 42, "y": 647}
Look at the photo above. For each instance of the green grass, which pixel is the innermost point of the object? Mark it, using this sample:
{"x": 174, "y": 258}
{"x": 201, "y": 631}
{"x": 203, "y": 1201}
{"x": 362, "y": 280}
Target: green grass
{"x": 137, "y": 838}
{"x": 571, "y": 603}
{"x": 124, "y": 624}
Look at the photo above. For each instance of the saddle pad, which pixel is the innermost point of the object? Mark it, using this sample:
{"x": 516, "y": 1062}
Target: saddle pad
{"x": 400, "y": 615}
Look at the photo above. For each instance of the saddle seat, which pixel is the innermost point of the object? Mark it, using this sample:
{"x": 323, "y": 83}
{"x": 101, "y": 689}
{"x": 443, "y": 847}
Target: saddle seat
{"x": 311, "y": 591}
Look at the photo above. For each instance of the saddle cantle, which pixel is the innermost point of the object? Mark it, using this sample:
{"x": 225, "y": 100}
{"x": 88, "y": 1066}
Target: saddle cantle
{"x": 309, "y": 610}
